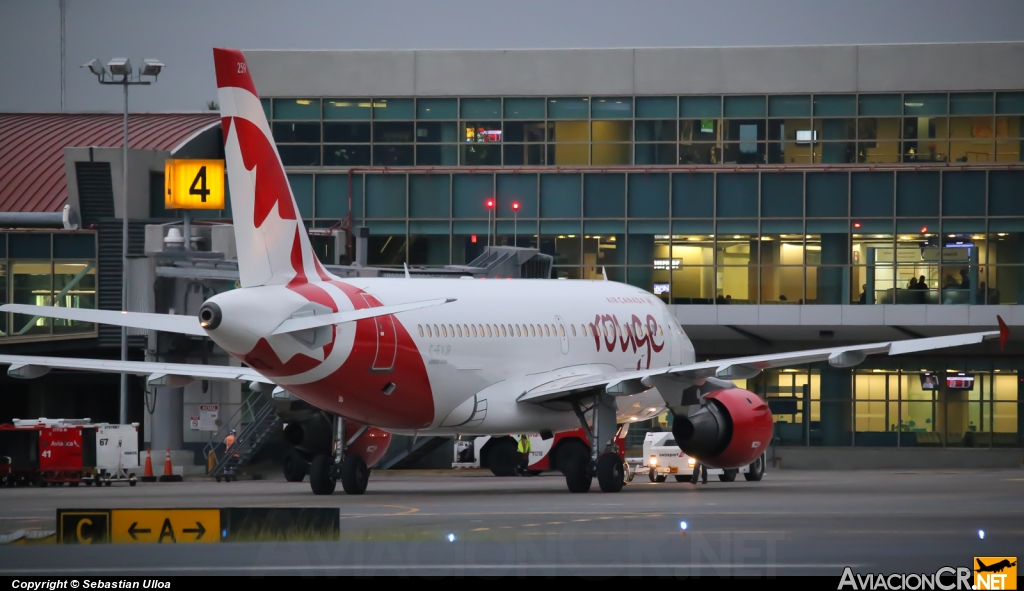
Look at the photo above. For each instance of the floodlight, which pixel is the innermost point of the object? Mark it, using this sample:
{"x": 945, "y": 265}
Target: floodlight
{"x": 151, "y": 67}
{"x": 95, "y": 67}
{"x": 120, "y": 66}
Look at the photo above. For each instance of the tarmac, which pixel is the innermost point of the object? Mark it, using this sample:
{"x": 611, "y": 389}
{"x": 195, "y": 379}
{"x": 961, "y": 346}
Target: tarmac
{"x": 471, "y": 523}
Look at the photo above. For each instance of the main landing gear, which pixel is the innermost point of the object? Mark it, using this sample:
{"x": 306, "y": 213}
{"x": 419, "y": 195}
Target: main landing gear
{"x": 325, "y": 471}
{"x": 580, "y": 465}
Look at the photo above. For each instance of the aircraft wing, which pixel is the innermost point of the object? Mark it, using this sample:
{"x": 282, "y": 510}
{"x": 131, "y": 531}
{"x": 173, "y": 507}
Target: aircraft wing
{"x": 29, "y": 366}
{"x": 748, "y": 367}
{"x": 308, "y": 322}
{"x": 162, "y": 322}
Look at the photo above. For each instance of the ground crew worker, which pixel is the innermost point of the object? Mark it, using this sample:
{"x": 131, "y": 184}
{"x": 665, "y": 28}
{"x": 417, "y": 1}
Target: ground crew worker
{"x": 229, "y": 440}
{"x": 524, "y": 451}
{"x": 701, "y": 471}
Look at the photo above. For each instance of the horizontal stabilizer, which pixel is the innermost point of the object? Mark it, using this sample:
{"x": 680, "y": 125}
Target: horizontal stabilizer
{"x": 160, "y": 373}
{"x": 162, "y": 322}
{"x": 308, "y": 322}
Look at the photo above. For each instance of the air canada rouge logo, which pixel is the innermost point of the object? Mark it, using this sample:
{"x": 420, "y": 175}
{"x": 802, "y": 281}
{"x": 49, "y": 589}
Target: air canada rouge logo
{"x": 636, "y": 335}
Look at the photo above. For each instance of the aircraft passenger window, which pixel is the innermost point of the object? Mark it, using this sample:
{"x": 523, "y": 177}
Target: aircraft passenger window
{"x": 659, "y": 331}
{"x": 428, "y": 330}
{"x": 420, "y": 327}
{"x": 474, "y": 330}
{"x": 573, "y": 326}
{"x": 436, "y": 332}
{"x": 488, "y": 331}
{"x": 502, "y": 331}
{"x": 547, "y": 331}
{"x": 458, "y": 329}
{"x": 583, "y": 327}
{"x": 561, "y": 330}
{"x": 445, "y": 330}
{"x": 481, "y": 326}
{"x": 451, "y": 330}
{"x": 518, "y": 334}
{"x": 533, "y": 330}
{"x": 467, "y": 329}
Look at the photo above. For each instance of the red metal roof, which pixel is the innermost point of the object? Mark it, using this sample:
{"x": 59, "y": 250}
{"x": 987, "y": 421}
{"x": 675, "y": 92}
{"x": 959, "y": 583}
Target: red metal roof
{"x": 32, "y": 149}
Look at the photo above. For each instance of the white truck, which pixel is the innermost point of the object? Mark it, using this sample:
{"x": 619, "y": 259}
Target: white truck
{"x": 663, "y": 458}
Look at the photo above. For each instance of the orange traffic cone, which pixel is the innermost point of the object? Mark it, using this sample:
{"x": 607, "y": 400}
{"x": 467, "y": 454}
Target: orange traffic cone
{"x": 147, "y": 476}
{"x": 168, "y": 472}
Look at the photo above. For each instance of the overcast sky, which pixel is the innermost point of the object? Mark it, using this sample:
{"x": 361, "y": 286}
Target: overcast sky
{"x": 181, "y": 33}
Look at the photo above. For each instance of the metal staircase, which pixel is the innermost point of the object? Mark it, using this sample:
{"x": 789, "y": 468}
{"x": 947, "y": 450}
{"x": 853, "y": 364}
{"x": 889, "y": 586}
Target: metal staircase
{"x": 508, "y": 261}
{"x": 254, "y": 423}
{"x": 404, "y": 452}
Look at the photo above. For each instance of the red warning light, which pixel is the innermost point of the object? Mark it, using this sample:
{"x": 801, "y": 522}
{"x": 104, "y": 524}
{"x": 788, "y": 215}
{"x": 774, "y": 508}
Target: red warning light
{"x": 515, "y": 206}
{"x": 856, "y": 224}
{"x": 473, "y": 238}
{"x": 489, "y": 204}
{"x": 924, "y": 229}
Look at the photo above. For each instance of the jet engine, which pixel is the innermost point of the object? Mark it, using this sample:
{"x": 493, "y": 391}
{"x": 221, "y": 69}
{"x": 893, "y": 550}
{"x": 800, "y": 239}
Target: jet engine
{"x": 311, "y": 437}
{"x": 314, "y": 436}
{"x": 730, "y": 429}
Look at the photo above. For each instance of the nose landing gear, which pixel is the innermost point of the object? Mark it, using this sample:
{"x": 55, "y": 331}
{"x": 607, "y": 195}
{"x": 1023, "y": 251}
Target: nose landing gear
{"x": 325, "y": 471}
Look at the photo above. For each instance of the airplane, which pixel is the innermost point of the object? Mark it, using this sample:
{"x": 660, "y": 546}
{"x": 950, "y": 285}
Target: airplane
{"x": 994, "y": 568}
{"x": 447, "y": 357}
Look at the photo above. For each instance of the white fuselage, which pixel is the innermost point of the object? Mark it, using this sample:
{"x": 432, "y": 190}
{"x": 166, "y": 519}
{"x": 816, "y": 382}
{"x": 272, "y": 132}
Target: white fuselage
{"x": 474, "y": 356}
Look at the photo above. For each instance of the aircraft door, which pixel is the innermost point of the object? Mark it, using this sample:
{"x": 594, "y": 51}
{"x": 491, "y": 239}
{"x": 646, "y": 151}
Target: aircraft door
{"x": 563, "y": 335}
{"x": 387, "y": 338}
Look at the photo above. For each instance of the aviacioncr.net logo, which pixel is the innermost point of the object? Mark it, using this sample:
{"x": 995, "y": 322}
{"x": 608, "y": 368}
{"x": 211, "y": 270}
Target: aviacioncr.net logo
{"x": 940, "y": 579}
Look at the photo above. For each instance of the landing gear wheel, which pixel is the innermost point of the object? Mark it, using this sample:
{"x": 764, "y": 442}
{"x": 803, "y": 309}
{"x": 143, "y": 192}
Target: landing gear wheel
{"x": 575, "y": 464}
{"x": 321, "y": 475}
{"x": 610, "y": 476}
{"x": 503, "y": 458}
{"x": 681, "y": 478}
{"x": 756, "y": 470}
{"x": 295, "y": 467}
{"x": 728, "y": 475}
{"x": 354, "y": 475}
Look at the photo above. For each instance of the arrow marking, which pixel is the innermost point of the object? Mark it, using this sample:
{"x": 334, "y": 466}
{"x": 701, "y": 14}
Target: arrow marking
{"x": 199, "y": 530}
{"x": 132, "y": 530}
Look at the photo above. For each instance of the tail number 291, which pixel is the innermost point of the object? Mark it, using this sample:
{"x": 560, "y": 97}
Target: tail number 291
{"x": 241, "y": 67}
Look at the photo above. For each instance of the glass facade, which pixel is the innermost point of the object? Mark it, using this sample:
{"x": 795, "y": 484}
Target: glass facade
{"x": 855, "y": 199}
{"x": 925, "y": 403}
{"x": 46, "y": 269}
{"x": 916, "y": 128}
{"x": 847, "y": 236}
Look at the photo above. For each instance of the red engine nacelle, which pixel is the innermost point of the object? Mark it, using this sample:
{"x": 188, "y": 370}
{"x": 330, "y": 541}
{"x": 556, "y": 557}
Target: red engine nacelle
{"x": 371, "y": 445}
{"x": 730, "y": 430}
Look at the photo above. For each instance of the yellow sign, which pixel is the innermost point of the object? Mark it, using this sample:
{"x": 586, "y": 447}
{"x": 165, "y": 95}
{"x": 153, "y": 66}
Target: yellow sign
{"x": 995, "y": 572}
{"x": 194, "y": 184}
{"x": 165, "y": 526}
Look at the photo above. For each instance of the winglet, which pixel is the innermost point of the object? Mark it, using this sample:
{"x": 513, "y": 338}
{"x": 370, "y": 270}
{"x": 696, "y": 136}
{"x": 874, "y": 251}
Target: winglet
{"x": 1004, "y": 333}
{"x": 406, "y": 265}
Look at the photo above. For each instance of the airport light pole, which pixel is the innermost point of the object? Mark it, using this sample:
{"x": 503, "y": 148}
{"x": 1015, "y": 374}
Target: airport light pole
{"x": 121, "y": 74}
{"x": 489, "y": 204}
{"x": 515, "y": 224}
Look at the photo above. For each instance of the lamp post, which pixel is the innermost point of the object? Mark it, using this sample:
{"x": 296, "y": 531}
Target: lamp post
{"x": 489, "y": 204}
{"x": 515, "y": 224}
{"x": 121, "y": 74}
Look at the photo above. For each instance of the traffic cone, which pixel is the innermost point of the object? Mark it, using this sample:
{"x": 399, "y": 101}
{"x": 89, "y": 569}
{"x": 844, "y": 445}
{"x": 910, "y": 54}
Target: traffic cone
{"x": 168, "y": 475}
{"x": 147, "y": 476}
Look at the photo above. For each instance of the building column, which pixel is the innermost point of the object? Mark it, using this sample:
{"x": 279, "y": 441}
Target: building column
{"x": 834, "y": 281}
{"x": 166, "y": 421}
{"x": 836, "y": 396}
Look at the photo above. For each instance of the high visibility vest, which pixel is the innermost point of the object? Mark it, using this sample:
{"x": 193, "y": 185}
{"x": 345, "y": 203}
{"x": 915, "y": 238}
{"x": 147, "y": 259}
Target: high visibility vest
{"x": 524, "y": 445}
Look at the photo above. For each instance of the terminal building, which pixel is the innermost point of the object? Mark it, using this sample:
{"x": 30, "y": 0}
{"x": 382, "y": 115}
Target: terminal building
{"x": 775, "y": 197}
